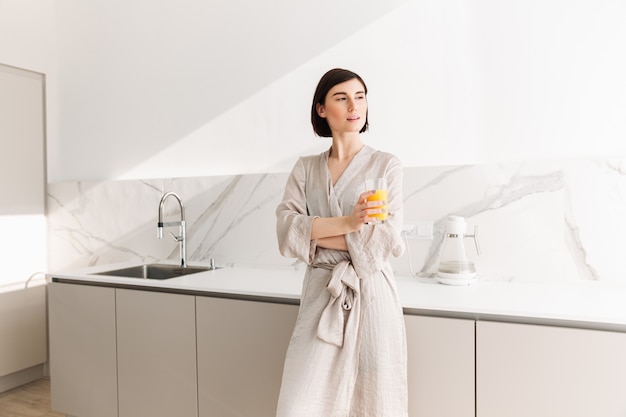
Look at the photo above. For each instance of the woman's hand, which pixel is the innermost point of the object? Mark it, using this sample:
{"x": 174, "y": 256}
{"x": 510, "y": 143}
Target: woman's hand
{"x": 324, "y": 227}
{"x": 362, "y": 210}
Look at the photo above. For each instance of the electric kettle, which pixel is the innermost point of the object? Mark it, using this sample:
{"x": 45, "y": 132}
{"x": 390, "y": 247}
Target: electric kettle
{"x": 454, "y": 266}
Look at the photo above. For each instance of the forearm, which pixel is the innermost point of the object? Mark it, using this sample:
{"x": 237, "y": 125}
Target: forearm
{"x": 325, "y": 227}
{"x": 333, "y": 242}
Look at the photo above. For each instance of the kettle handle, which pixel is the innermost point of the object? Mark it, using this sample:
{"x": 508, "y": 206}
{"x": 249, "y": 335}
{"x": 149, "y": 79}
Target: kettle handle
{"x": 475, "y": 236}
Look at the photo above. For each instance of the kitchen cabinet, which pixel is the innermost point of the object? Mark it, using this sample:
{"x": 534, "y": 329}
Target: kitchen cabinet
{"x": 543, "y": 371}
{"x": 242, "y": 347}
{"x": 156, "y": 352}
{"x": 23, "y": 344}
{"x": 83, "y": 367}
{"x": 22, "y": 136}
{"x": 22, "y": 329}
{"x": 241, "y": 350}
{"x": 133, "y": 352}
{"x": 440, "y": 366}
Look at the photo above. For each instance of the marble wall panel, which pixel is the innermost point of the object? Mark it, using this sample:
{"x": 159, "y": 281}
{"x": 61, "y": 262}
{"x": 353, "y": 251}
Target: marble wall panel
{"x": 546, "y": 221}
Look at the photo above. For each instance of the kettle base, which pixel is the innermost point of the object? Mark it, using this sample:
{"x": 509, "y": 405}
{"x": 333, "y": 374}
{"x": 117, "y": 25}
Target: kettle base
{"x": 456, "y": 279}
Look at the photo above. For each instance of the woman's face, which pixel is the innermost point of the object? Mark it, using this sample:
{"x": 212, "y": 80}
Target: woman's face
{"x": 345, "y": 107}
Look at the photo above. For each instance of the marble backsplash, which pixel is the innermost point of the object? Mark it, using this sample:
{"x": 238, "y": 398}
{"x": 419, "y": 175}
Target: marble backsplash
{"x": 548, "y": 221}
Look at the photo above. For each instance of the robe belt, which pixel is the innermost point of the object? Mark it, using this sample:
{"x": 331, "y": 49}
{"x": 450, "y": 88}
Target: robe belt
{"x": 341, "y": 317}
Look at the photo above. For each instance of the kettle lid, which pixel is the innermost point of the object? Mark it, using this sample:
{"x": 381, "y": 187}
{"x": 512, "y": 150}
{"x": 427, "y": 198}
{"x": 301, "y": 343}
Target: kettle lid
{"x": 456, "y": 225}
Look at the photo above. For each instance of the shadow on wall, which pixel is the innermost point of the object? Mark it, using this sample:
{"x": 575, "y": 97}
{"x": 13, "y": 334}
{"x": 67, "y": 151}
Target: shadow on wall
{"x": 131, "y": 93}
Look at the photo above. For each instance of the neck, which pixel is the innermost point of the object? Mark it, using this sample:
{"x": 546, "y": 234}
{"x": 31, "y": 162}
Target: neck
{"x": 345, "y": 148}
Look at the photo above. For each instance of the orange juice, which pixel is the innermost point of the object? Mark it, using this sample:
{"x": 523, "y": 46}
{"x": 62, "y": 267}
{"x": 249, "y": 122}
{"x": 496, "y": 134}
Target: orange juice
{"x": 379, "y": 195}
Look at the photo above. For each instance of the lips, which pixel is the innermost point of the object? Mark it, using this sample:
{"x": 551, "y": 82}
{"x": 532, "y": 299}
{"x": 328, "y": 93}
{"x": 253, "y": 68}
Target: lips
{"x": 354, "y": 119}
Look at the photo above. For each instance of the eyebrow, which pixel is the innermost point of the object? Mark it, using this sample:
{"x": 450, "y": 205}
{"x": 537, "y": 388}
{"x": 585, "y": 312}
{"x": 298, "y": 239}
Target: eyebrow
{"x": 344, "y": 93}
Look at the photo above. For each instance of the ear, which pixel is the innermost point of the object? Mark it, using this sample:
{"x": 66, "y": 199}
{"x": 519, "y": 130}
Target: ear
{"x": 320, "y": 110}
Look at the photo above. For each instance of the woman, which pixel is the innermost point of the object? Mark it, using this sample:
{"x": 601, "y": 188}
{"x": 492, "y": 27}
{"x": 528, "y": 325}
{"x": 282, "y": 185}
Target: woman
{"x": 347, "y": 355}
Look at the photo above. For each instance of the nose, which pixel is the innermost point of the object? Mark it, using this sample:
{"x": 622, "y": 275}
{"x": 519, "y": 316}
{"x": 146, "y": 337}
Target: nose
{"x": 352, "y": 105}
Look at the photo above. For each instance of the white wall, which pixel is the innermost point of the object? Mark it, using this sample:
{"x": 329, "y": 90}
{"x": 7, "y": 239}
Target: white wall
{"x": 194, "y": 88}
{"x": 138, "y": 77}
{"x": 27, "y": 34}
{"x": 451, "y": 82}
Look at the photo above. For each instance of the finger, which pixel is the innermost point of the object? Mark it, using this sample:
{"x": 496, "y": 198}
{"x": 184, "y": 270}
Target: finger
{"x": 366, "y": 194}
{"x": 375, "y": 203}
{"x": 371, "y": 212}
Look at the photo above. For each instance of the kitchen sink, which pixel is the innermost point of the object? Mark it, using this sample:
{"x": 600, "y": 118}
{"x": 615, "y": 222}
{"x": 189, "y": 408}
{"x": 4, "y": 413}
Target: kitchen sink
{"x": 155, "y": 271}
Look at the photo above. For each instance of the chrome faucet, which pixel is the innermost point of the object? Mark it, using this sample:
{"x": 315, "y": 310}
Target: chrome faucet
{"x": 181, "y": 224}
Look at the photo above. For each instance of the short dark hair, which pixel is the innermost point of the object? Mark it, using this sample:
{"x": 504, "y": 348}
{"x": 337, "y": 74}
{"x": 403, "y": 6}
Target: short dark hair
{"x": 329, "y": 80}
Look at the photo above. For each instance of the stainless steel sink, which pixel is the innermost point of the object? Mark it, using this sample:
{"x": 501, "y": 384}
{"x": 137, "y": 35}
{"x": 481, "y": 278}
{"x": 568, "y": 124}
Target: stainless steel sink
{"x": 155, "y": 271}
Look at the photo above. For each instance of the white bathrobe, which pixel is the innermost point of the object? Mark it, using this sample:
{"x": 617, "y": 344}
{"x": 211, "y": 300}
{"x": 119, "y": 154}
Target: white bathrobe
{"x": 347, "y": 355}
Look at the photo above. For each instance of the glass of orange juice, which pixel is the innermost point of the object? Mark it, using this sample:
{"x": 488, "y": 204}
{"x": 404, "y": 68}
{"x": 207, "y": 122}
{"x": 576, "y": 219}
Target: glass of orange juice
{"x": 379, "y": 185}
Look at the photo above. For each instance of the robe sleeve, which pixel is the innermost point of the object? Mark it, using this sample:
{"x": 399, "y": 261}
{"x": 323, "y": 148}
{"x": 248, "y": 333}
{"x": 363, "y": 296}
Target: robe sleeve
{"x": 372, "y": 245}
{"x": 293, "y": 222}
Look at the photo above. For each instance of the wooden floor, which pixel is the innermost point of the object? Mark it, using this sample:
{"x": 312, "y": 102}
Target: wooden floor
{"x": 30, "y": 400}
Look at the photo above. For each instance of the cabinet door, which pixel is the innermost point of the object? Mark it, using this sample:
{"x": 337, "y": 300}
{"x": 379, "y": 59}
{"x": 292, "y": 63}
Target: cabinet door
{"x": 440, "y": 366}
{"x": 542, "y": 371}
{"x": 82, "y": 350}
{"x": 22, "y": 176}
{"x": 156, "y": 345}
{"x": 241, "y": 351}
{"x": 22, "y": 329}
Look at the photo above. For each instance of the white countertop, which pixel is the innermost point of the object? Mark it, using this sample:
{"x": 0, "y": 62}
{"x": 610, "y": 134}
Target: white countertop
{"x": 588, "y": 305}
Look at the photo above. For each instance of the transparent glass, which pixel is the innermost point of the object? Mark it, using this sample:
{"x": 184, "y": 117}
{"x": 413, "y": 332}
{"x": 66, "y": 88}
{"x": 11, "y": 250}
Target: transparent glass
{"x": 453, "y": 258}
{"x": 379, "y": 185}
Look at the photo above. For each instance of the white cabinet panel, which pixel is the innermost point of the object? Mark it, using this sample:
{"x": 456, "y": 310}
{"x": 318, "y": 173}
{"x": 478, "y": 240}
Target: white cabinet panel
{"x": 22, "y": 176}
{"x": 156, "y": 348}
{"x": 82, "y": 350}
{"x": 23, "y": 344}
{"x": 22, "y": 130}
{"x": 440, "y": 366}
{"x": 541, "y": 371}
{"x": 241, "y": 351}
{"x": 22, "y": 328}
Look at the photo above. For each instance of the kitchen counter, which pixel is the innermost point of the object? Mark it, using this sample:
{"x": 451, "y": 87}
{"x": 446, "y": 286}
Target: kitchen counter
{"x": 583, "y": 305}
